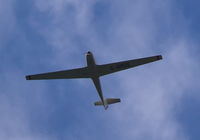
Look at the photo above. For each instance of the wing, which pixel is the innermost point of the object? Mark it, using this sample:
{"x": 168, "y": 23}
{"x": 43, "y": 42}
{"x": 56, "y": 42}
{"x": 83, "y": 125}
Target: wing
{"x": 115, "y": 67}
{"x": 66, "y": 74}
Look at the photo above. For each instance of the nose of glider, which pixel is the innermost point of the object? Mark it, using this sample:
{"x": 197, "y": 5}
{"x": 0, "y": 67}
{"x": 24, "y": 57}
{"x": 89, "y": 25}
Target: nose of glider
{"x": 88, "y": 52}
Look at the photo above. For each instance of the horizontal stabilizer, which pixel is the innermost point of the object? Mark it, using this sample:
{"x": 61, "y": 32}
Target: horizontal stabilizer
{"x": 108, "y": 101}
{"x": 113, "y": 100}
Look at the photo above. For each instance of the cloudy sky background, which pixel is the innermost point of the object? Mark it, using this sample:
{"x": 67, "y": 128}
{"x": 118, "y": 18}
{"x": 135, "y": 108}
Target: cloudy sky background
{"x": 159, "y": 100}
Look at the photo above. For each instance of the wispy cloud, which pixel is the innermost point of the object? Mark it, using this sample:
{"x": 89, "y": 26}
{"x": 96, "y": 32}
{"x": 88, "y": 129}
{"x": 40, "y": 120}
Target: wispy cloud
{"x": 114, "y": 31}
{"x": 7, "y": 21}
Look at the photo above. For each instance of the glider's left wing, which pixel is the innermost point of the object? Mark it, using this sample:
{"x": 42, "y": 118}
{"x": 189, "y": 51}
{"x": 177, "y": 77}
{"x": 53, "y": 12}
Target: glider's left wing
{"x": 66, "y": 74}
{"x": 115, "y": 67}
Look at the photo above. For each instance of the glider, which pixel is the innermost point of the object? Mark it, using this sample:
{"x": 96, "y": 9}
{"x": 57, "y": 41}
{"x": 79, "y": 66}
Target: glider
{"x": 94, "y": 71}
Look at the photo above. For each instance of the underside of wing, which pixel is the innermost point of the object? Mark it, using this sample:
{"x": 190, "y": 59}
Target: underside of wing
{"x": 115, "y": 67}
{"x": 66, "y": 74}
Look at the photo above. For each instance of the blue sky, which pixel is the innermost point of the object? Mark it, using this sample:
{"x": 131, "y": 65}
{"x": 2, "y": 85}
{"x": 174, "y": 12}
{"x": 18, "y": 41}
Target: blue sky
{"x": 159, "y": 100}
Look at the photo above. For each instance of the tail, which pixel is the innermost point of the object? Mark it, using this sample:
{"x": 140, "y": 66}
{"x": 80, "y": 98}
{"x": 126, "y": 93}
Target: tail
{"x": 107, "y": 102}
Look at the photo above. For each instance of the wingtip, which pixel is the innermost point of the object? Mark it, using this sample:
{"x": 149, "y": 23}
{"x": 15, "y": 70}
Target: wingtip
{"x": 159, "y": 57}
{"x": 28, "y": 77}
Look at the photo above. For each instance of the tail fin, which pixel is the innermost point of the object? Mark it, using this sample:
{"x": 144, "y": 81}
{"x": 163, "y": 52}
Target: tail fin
{"x": 108, "y": 101}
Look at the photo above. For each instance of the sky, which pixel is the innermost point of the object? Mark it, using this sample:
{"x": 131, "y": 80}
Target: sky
{"x": 159, "y": 101}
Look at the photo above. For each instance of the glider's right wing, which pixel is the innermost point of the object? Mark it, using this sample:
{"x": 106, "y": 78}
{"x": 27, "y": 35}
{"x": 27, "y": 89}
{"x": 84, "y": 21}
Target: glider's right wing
{"x": 66, "y": 74}
{"x": 115, "y": 67}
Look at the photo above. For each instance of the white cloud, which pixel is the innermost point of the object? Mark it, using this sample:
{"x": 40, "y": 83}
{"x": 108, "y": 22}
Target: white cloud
{"x": 150, "y": 94}
{"x": 153, "y": 95}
